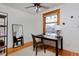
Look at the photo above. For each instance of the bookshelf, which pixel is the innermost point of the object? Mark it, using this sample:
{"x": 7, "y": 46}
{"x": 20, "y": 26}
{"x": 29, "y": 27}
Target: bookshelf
{"x": 3, "y": 34}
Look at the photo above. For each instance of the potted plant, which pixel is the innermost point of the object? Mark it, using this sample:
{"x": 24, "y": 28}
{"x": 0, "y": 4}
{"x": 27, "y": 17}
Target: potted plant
{"x": 1, "y": 45}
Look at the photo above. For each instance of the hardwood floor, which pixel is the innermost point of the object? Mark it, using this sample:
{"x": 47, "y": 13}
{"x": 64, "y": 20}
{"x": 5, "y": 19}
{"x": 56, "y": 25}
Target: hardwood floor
{"x": 13, "y": 50}
{"x": 52, "y": 49}
{"x": 63, "y": 52}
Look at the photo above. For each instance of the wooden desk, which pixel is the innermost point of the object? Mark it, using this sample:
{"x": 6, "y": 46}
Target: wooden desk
{"x": 55, "y": 39}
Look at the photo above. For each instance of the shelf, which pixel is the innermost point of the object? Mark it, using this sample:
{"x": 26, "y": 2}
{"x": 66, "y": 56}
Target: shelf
{"x": 3, "y": 36}
{"x": 3, "y": 26}
{"x": 4, "y": 33}
{"x": 2, "y": 54}
{"x": 2, "y": 16}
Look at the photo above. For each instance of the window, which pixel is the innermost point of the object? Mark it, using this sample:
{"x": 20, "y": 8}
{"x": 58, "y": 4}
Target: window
{"x": 52, "y": 18}
{"x": 50, "y": 21}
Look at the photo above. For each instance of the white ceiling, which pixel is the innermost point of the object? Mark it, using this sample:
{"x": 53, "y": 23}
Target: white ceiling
{"x": 21, "y": 6}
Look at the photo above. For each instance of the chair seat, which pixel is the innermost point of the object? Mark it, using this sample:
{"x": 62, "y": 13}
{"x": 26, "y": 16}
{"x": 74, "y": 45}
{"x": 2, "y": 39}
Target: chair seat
{"x": 18, "y": 39}
{"x": 39, "y": 44}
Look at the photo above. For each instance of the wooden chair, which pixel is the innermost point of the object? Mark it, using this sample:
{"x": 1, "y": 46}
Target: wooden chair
{"x": 37, "y": 44}
{"x": 16, "y": 40}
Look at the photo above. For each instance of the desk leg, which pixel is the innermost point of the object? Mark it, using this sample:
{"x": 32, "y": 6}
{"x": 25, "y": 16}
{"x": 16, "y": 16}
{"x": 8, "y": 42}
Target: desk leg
{"x": 61, "y": 43}
{"x": 57, "y": 48}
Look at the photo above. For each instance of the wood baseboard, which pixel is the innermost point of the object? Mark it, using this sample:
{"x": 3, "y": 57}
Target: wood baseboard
{"x": 52, "y": 49}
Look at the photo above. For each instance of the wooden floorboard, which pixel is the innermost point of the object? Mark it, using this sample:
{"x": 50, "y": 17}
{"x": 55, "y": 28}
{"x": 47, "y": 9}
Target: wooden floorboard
{"x": 13, "y": 50}
{"x": 63, "y": 52}
{"x": 52, "y": 49}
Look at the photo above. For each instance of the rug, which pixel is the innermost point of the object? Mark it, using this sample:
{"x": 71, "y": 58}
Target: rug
{"x": 29, "y": 52}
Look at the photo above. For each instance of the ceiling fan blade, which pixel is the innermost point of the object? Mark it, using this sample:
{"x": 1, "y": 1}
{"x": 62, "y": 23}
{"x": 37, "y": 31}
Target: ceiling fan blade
{"x": 29, "y": 6}
{"x": 44, "y": 7}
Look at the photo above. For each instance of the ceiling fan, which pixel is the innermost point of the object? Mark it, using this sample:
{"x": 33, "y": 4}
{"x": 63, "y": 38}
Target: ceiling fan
{"x": 37, "y": 7}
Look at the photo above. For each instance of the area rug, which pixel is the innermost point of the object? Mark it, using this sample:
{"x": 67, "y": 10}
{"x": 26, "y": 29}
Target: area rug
{"x": 29, "y": 52}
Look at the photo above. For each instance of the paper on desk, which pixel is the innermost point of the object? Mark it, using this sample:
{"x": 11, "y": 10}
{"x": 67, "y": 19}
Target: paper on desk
{"x": 50, "y": 36}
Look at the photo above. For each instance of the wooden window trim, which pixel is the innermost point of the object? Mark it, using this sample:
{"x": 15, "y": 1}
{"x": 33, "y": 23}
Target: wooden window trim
{"x": 50, "y": 22}
{"x": 57, "y": 11}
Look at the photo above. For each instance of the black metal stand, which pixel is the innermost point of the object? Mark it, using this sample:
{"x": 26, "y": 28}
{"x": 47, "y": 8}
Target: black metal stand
{"x": 4, "y": 31}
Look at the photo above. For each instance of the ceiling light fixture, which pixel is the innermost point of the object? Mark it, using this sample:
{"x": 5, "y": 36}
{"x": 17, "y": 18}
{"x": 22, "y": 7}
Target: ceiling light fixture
{"x": 37, "y": 7}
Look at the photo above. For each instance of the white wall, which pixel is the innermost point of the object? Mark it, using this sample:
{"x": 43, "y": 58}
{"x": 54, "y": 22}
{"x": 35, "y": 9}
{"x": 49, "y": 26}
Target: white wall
{"x": 19, "y": 17}
{"x": 70, "y": 30}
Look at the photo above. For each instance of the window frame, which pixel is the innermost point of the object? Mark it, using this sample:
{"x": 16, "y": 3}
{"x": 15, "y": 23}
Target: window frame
{"x": 57, "y": 12}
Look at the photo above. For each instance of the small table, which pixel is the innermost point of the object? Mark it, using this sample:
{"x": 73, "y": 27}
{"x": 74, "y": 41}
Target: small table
{"x": 55, "y": 39}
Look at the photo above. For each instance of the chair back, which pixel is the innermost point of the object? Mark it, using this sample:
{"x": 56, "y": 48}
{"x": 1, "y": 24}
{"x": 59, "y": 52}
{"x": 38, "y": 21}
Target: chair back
{"x": 33, "y": 37}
